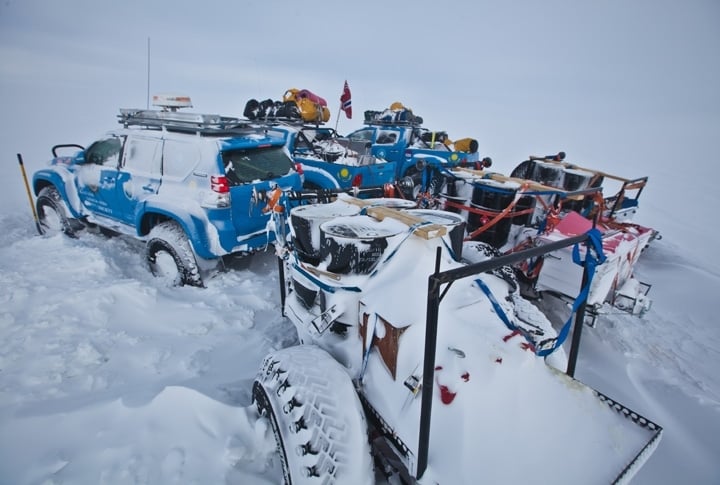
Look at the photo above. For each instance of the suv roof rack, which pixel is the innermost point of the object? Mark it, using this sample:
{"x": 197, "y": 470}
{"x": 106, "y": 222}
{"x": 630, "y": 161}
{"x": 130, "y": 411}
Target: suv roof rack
{"x": 392, "y": 117}
{"x": 274, "y": 120}
{"x": 414, "y": 124}
{"x": 206, "y": 124}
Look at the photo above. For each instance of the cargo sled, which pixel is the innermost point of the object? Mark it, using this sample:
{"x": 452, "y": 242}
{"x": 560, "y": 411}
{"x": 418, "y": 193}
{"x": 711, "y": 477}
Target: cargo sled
{"x": 417, "y": 367}
{"x": 545, "y": 200}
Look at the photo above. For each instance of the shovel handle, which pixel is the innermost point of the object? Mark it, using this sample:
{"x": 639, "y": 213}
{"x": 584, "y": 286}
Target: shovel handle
{"x": 29, "y": 194}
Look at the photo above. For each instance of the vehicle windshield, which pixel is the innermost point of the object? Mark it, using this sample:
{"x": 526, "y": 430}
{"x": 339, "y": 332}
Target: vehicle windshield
{"x": 250, "y": 165}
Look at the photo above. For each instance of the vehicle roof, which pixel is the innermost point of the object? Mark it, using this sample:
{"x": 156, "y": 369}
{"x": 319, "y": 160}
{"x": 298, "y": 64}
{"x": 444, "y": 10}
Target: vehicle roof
{"x": 240, "y": 137}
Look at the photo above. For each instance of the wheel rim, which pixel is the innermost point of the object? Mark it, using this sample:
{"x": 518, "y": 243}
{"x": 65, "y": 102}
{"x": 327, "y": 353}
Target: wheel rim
{"x": 165, "y": 268}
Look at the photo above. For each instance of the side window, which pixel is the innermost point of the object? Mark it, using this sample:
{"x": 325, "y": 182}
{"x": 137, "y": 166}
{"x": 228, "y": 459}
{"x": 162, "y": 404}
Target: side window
{"x": 105, "y": 152}
{"x": 302, "y": 143}
{"x": 362, "y": 135}
{"x": 179, "y": 158}
{"x": 143, "y": 155}
{"x": 386, "y": 137}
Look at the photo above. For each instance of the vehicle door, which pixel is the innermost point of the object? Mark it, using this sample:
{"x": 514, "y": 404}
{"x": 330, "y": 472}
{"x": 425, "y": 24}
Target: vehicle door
{"x": 361, "y": 140}
{"x": 387, "y": 144}
{"x": 97, "y": 177}
{"x": 139, "y": 175}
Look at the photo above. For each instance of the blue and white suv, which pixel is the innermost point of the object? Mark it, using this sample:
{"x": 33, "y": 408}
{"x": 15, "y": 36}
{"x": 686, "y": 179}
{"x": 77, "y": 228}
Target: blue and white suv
{"x": 193, "y": 186}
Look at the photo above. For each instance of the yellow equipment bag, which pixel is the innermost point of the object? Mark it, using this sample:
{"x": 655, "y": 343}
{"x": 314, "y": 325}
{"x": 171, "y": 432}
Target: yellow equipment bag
{"x": 468, "y": 145}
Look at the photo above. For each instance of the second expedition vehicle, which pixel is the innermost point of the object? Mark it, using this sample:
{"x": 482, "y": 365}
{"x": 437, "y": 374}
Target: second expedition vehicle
{"x": 327, "y": 162}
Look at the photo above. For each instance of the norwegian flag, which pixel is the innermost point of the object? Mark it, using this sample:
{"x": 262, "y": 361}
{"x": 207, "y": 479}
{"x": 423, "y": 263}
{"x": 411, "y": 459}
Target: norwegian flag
{"x": 346, "y": 101}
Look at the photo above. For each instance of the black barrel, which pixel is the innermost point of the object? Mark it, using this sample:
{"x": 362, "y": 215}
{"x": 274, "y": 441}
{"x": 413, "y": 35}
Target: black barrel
{"x": 355, "y": 244}
{"x": 550, "y": 174}
{"x": 454, "y": 224}
{"x": 491, "y": 196}
{"x": 576, "y": 180}
{"x": 305, "y": 224}
{"x": 526, "y": 202}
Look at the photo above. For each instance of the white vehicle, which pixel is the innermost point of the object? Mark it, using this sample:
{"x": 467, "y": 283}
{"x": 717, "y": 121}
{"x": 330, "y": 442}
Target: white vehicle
{"x": 437, "y": 369}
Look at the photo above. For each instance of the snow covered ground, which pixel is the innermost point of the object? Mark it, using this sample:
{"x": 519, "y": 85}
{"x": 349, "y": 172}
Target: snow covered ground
{"x": 106, "y": 376}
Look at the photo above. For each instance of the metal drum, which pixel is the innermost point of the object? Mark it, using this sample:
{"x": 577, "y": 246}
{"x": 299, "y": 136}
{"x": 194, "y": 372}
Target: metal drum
{"x": 305, "y": 224}
{"x": 526, "y": 202}
{"x": 492, "y": 196}
{"x": 356, "y": 244}
{"x": 550, "y": 174}
{"x": 576, "y": 179}
{"x": 454, "y": 223}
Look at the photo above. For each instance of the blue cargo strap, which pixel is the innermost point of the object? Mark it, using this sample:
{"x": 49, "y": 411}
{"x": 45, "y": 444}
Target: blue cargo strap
{"x": 500, "y": 313}
{"x": 594, "y": 244}
{"x": 547, "y": 347}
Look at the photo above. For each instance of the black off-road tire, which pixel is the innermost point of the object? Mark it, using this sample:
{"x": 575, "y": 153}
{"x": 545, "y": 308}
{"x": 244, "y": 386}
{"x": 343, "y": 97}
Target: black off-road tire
{"x": 53, "y": 216}
{"x": 316, "y": 417}
{"x": 168, "y": 241}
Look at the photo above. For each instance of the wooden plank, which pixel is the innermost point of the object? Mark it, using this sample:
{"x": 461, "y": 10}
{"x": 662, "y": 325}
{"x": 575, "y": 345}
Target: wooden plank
{"x": 531, "y": 184}
{"x": 426, "y": 231}
{"x": 380, "y": 212}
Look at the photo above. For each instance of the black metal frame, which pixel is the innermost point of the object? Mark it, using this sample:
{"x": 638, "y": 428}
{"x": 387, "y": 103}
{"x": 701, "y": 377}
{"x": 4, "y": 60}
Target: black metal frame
{"x": 434, "y": 297}
{"x": 621, "y": 193}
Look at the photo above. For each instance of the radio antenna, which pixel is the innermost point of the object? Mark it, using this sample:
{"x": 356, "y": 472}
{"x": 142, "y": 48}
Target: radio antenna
{"x": 147, "y": 100}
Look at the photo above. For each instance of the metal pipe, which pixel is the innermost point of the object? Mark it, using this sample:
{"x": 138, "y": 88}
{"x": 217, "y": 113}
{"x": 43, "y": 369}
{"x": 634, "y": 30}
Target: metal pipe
{"x": 281, "y": 277}
{"x": 433, "y": 306}
{"x": 512, "y": 258}
{"x": 577, "y": 327}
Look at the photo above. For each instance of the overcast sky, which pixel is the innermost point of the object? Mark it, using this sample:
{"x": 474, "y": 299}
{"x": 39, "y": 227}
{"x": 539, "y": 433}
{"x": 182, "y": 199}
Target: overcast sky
{"x": 628, "y": 86}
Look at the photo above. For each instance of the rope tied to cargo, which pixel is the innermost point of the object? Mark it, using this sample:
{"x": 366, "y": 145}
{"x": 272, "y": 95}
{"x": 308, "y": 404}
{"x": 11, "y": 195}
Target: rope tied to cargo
{"x": 593, "y": 256}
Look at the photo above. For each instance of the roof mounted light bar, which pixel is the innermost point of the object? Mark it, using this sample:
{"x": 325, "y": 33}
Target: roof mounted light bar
{"x": 171, "y": 102}
{"x": 170, "y": 119}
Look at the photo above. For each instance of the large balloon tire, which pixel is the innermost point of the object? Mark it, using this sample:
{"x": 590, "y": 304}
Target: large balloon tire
{"x": 52, "y": 215}
{"x": 316, "y": 417}
{"x": 168, "y": 242}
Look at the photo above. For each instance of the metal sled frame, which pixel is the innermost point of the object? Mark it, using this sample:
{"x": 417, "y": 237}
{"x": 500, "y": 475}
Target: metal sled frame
{"x": 435, "y": 296}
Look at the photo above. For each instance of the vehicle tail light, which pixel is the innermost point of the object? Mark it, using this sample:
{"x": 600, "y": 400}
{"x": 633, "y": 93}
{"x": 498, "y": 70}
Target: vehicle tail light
{"x": 299, "y": 168}
{"x": 357, "y": 180}
{"x": 220, "y": 196}
{"x": 219, "y": 184}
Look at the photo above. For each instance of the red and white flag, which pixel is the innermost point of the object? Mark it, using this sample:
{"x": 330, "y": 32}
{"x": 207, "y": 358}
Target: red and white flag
{"x": 346, "y": 101}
